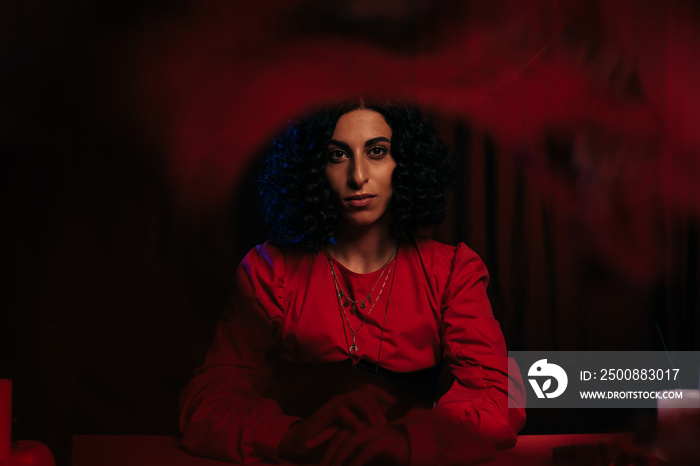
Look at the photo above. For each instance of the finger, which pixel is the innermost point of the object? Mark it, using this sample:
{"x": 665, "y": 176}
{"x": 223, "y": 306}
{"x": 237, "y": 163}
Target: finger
{"x": 370, "y": 410}
{"x": 379, "y": 394}
{"x": 348, "y": 448}
{"x": 376, "y": 412}
{"x": 321, "y": 437}
{"x": 371, "y": 449}
{"x": 333, "y": 446}
{"x": 325, "y": 417}
{"x": 389, "y": 443}
{"x": 349, "y": 418}
{"x": 362, "y": 408}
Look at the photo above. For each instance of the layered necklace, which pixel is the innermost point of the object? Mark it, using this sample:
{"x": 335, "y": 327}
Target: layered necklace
{"x": 358, "y": 305}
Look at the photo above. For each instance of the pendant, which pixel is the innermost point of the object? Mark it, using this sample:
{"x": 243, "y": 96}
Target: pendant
{"x": 346, "y": 303}
{"x": 353, "y": 308}
{"x": 362, "y": 305}
{"x": 353, "y": 349}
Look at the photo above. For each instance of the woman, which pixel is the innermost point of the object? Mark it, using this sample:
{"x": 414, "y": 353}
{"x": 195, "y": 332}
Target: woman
{"x": 342, "y": 324}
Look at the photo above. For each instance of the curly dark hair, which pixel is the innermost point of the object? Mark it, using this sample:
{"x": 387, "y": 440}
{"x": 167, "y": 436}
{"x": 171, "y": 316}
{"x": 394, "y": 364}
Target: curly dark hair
{"x": 297, "y": 196}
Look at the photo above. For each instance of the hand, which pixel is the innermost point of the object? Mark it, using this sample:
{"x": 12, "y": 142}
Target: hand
{"x": 391, "y": 443}
{"x": 350, "y": 412}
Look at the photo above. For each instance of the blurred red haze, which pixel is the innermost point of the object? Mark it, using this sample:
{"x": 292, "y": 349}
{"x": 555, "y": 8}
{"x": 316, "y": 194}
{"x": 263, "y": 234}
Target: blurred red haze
{"x": 214, "y": 82}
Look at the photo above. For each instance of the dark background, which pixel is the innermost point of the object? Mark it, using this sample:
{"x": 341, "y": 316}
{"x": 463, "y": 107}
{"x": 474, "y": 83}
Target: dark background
{"x": 130, "y": 134}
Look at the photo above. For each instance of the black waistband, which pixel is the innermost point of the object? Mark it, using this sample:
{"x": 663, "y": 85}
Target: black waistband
{"x": 305, "y": 387}
{"x": 421, "y": 383}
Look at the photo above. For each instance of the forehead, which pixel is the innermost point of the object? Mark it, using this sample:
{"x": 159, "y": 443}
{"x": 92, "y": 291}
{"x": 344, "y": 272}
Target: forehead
{"x": 361, "y": 125}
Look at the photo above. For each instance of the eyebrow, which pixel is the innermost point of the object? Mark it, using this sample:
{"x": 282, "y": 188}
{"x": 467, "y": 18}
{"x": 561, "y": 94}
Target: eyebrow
{"x": 369, "y": 142}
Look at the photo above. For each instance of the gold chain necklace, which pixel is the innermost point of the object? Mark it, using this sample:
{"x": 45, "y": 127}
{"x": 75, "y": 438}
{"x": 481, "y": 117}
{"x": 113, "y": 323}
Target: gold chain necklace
{"x": 352, "y": 349}
{"x": 346, "y": 300}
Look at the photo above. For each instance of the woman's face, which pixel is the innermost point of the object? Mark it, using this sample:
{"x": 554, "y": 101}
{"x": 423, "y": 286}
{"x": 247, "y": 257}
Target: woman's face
{"x": 360, "y": 166}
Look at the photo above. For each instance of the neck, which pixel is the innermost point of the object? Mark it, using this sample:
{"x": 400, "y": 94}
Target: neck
{"x": 362, "y": 250}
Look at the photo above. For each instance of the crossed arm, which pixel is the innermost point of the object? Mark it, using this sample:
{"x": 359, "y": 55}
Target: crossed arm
{"x": 227, "y": 411}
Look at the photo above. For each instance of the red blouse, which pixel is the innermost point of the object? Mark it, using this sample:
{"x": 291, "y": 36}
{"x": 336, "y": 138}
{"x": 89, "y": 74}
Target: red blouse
{"x": 433, "y": 309}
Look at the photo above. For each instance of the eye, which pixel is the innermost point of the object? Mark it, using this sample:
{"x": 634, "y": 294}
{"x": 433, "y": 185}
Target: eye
{"x": 378, "y": 152}
{"x": 336, "y": 155}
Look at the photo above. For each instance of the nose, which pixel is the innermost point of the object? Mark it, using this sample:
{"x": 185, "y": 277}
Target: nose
{"x": 358, "y": 172}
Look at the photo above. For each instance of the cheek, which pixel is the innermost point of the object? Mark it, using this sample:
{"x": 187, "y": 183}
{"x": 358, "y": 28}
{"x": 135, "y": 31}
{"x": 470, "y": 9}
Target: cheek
{"x": 333, "y": 180}
{"x": 388, "y": 179}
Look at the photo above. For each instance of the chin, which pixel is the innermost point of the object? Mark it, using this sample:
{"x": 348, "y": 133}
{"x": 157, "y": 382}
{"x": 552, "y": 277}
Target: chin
{"x": 360, "y": 221}
{"x": 366, "y": 218}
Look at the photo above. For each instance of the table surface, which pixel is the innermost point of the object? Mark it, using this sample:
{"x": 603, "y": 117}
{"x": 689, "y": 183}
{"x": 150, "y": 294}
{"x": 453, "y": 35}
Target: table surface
{"x": 155, "y": 450}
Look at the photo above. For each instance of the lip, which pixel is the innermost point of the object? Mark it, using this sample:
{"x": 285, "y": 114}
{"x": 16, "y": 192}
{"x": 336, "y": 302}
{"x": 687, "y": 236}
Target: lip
{"x": 360, "y": 200}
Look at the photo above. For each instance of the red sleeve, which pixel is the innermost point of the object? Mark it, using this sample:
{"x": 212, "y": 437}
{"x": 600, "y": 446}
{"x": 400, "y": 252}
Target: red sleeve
{"x": 223, "y": 412}
{"x": 472, "y": 420}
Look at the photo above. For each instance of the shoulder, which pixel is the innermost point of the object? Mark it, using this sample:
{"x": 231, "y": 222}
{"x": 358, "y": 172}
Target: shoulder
{"x": 430, "y": 246}
{"x": 266, "y": 272}
{"x": 454, "y": 269}
{"x": 265, "y": 256}
{"x": 447, "y": 257}
{"x": 273, "y": 260}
